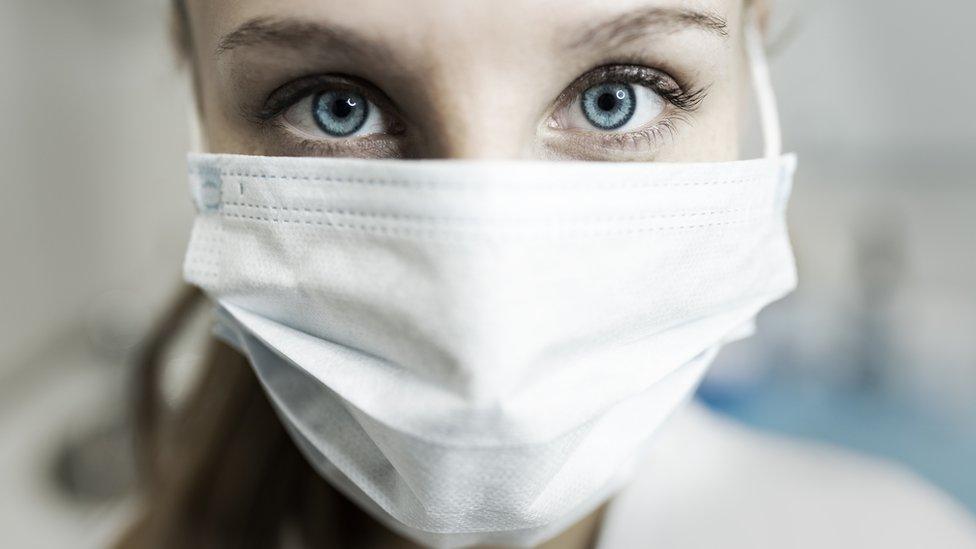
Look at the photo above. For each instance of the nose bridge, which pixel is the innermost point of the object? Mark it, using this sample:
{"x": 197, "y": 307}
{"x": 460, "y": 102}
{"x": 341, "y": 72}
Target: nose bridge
{"x": 478, "y": 138}
{"x": 484, "y": 107}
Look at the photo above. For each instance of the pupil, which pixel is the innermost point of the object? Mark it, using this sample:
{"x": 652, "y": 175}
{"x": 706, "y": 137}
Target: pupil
{"x": 341, "y": 107}
{"x": 606, "y": 102}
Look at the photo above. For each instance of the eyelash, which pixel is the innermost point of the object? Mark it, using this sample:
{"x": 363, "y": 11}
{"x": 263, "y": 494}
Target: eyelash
{"x": 667, "y": 87}
{"x": 682, "y": 98}
{"x": 291, "y": 93}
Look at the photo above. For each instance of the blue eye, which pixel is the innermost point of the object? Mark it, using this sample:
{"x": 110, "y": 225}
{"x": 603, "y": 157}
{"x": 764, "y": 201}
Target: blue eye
{"x": 609, "y": 106}
{"x": 340, "y": 113}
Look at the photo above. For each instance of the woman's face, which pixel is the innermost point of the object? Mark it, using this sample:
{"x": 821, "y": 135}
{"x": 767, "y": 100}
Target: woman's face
{"x": 624, "y": 80}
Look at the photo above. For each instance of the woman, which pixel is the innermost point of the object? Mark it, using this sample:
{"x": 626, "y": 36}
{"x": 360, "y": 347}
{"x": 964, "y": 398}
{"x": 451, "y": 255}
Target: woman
{"x": 475, "y": 351}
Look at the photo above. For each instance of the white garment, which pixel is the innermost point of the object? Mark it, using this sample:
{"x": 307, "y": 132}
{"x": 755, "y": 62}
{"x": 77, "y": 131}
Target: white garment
{"x": 710, "y": 482}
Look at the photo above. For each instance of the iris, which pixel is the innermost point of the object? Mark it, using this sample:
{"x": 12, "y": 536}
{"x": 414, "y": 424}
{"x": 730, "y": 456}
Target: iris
{"x": 340, "y": 113}
{"x": 610, "y": 105}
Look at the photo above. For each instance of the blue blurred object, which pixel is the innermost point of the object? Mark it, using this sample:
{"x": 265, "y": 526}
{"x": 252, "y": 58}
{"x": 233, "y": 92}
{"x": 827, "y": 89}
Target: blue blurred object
{"x": 941, "y": 449}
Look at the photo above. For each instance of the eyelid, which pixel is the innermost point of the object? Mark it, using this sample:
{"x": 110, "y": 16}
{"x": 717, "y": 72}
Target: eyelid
{"x": 680, "y": 99}
{"x": 294, "y": 91}
{"x": 666, "y": 86}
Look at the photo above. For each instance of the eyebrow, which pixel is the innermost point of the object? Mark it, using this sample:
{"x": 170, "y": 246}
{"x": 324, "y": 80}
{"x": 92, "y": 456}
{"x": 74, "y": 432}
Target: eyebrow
{"x": 300, "y": 35}
{"x": 638, "y": 24}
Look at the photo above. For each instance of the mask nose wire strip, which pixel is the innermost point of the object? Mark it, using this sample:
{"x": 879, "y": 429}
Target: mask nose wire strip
{"x": 761, "y": 82}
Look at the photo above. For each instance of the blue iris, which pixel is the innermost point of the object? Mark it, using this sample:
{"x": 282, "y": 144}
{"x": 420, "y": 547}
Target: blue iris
{"x": 610, "y": 105}
{"x": 340, "y": 113}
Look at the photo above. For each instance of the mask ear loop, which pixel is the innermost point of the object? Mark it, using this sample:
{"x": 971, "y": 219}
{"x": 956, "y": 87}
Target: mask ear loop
{"x": 194, "y": 129}
{"x": 763, "y": 86}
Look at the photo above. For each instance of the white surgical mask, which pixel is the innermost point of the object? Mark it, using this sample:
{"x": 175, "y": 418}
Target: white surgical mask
{"x": 477, "y": 351}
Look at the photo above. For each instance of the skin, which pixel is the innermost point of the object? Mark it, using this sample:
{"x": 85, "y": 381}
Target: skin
{"x": 469, "y": 80}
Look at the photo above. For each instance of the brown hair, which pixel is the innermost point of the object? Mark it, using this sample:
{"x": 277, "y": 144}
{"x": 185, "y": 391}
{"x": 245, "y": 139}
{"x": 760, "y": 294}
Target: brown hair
{"x": 220, "y": 471}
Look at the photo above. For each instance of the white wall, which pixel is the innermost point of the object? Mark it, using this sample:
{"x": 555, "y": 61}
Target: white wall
{"x": 876, "y": 97}
{"x": 93, "y": 213}
{"x": 884, "y": 84}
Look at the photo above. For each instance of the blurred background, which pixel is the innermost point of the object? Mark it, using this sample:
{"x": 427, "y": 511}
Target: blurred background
{"x": 876, "y": 351}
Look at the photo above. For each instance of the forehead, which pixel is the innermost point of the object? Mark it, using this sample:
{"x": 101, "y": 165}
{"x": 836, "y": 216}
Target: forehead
{"x": 446, "y": 27}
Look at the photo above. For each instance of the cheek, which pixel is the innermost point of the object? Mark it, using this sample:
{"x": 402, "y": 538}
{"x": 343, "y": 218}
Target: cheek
{"x": 712, "y": 134}
{"x": 224, "y": 130}
{"x": 222, "y": 137}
